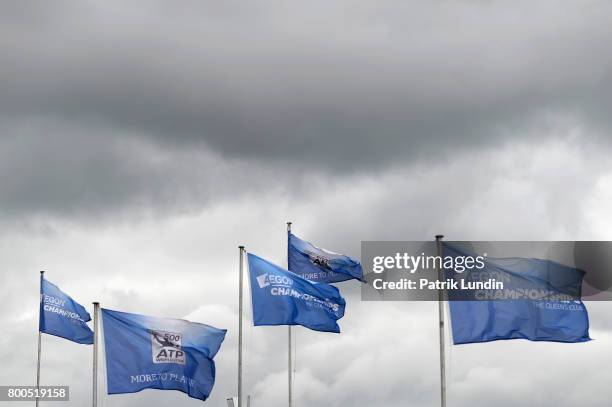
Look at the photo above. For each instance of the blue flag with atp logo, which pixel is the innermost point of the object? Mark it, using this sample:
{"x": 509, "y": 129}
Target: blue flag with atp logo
{"x": 144, "y": 352}
{"x": 62, "y": 316}
{"x": 320, "y": 265}
{"x": 281, "y": 297}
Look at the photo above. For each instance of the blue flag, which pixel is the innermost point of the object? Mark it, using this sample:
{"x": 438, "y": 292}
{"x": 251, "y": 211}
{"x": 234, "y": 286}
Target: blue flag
{"x": 320, "y": 265}
{"x": 62, "y": 316}
{"x": 281, "y": 297}
{"x": 519, "y": 316}
{"x": 144, "y": 352}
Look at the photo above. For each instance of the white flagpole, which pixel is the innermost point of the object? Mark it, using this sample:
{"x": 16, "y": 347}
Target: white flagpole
{"x": 39, "y": 338}
{"x": 290, "y": 367}
{"x": 241, "y": 257}
{"x": 441, "y": 325}
{"x": 95, "y": 355}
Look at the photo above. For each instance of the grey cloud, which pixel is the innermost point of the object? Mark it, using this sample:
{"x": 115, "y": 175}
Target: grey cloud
{"x": 185, "y": 265}
{"x": 142, "y": 142}
{"x": 339, "y": 86}
{"x": 150, "y": 108}
{"x": 50, "y": 169}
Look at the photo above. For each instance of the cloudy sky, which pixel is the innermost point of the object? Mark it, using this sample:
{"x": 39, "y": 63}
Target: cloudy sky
{"x": 143, "y": 141}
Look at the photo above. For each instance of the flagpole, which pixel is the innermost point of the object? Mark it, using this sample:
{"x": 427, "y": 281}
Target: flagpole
{"x": 441, "y": 324}
{"x": 42, "y": 272}
{"x": 290, "y": 367}
{"x": 95, "y": 355}
{"x": 241, "y": 257}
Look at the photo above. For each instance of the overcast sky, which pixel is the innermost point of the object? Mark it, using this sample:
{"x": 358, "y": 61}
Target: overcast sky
{"x": 141, "y": 142}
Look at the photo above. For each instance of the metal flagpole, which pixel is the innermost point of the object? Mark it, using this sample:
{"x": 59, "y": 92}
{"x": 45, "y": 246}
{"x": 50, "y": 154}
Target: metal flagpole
{"x": 441, "y": 327}
{"x": 241, "y": 257}
{"x": 95, "y": 355}
{"x": 39, "y": 339}
{"x": 290, "y": 367}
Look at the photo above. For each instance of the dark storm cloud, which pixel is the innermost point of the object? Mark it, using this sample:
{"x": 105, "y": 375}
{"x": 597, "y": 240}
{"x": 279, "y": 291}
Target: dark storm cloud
{"x": 50, "y": 169}
{"x": 113, "y": 106}
{"x": 345, "y": 85}
{"x": 355, "y": 119}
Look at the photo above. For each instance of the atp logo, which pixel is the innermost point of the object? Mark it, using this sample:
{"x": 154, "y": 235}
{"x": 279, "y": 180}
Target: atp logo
{"x": 319, "y": 260}
{"x": 166, "y": 347}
